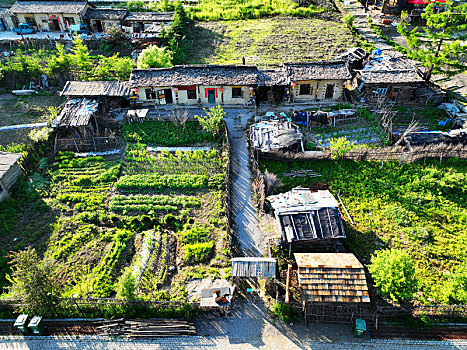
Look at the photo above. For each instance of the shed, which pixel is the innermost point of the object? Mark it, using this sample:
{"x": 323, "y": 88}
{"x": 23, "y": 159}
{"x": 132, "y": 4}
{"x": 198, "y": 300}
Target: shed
{"x": 95, "y": 89}
{"x": 10, "y": 171}
{"x": 276, "y": 135}
{"x": 254, "y": 267}
{"x": 331, "y": 278}
{"x": 307, "y": 217}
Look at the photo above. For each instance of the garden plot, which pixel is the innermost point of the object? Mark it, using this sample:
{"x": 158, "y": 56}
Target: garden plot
{"x": 266, "y": 41}
{"x": 420, "y": 207}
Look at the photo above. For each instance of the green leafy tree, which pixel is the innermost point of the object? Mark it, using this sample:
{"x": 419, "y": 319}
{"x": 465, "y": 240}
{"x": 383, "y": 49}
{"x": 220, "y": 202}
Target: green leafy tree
{"x": 211, "y": 122}
{"x": 394, "y": 273}
{"x": 438, "y": 46}
{"x": 113, "y": 68}
{"x": 340, "y": 146}
{"x": 34, "y": 281}
{"x": 154, "y": 57}
{"x": 126, "y": 285}
{"x": 80, "y": 60}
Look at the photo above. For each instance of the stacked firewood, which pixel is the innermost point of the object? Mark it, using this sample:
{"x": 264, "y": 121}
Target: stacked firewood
{"x": 146, "y": 328}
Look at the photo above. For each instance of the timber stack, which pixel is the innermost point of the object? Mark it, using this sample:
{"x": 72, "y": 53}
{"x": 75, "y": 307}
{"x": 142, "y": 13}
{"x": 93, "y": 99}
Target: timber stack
{"x": 146, "y": 328}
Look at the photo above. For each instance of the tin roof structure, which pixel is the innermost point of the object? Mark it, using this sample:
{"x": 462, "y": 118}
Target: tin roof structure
{"x": 307, "y": 216}
{"x": 96, "y": 88}
{"x": 275, "y": 135}
{"x": 77, "y": 112}
{"x": 331, "y": 277}
{"x": 254, "y": 267}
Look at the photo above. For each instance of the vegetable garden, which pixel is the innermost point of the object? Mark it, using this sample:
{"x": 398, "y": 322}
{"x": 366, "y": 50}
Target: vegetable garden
{"x": 420, "y": 208}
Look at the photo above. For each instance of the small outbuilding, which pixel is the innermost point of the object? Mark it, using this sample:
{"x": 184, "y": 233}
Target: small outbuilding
{"x": 276, "y": 135}
{"x": 331, "y": 278}
{"x": 254, "y": 267}
{"x": 93, "y": 89}
{"x": 101, "y": 19}
{"x": 307, "y": 217}
{"x": 10, "y": 171}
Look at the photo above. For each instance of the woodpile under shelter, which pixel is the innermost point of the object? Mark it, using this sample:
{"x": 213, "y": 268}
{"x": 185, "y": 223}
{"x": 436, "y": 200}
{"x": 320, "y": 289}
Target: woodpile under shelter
{"x": 307, "y": 217}
{"x": 254, "y": 267}
{"x": 385, "y": 77}
{"x": 318, "y": 81}
{"x": 49, "y": 15}
{"x": 276, "y": 135}
{"x": 331, "y": 278}
{"x": 10, "y": 171}
{"x": 189, "y": 85}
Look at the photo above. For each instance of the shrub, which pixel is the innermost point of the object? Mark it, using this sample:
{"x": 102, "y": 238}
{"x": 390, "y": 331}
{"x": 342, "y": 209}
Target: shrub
{"x": 126, "y": 285}
{"x": 154, "y": 57}
{"x": 284, "y": 312}
{"x": 394, "y": 274}
{"x": 340, "y": 146}
{"x": 198, "y": 252}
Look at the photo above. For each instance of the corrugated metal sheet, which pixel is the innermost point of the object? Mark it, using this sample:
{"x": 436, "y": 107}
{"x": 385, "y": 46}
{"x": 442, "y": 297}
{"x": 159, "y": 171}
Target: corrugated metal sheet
{"x": 331, "y": 277}
{"x": 254, "y": 267}
{"x": 96, "y": 88}
{"x": 7, "y": 160}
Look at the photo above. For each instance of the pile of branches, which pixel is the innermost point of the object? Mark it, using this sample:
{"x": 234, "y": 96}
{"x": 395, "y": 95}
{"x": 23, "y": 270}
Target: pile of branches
{"x": 145, "y": 328}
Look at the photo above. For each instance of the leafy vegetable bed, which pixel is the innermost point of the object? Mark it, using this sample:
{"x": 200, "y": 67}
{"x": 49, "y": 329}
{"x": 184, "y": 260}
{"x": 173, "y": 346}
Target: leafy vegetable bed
{"x": 148, "y": 203}
{"x": 159, "y": 182}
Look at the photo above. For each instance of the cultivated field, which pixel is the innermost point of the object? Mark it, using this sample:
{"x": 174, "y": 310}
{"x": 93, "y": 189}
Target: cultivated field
{"x": 158, "y": 217}
{"x": 266, "y": 41}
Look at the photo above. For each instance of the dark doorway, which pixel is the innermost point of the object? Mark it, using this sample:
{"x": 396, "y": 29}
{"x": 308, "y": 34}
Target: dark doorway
{"x": 211, "y": 96}
{"x": 98, "y": 26}
{"x": 55, "y": 24}
{"x": 168, "y": 96}
{"x": 329, "y": 91}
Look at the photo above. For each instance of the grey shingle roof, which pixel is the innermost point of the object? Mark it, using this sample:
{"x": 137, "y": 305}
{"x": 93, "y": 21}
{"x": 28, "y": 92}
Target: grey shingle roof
{"x": 150, "y": 16}
{"x": 7, "y": 160}
{"x": 75, "y": 7}
{"x": 195, "y": 75}
{"x": 272, "y": 77}
{"x": 95, "y": 88}
{"x": 106, "y": 14}
{"x": 318, "y": 70}
{"x": 391, "y": 77}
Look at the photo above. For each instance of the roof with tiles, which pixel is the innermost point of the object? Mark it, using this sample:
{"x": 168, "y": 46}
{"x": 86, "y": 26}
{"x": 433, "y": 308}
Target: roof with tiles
{"x": 96, "y": 88}
{"x": 106, "y": 14}
{"x": 326, "y": 70}
{"x": 331, "y": 277}
{"x": 50, "y": 6}
{"x": 195, "y": 75}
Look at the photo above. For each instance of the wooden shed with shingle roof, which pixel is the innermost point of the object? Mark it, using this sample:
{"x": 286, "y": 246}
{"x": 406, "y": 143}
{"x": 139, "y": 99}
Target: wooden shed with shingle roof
{"x": 331, "y": 278}
{"x": 10, "y": 171}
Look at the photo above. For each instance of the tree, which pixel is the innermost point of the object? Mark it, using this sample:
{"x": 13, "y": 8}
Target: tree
{"x": 394, "y": 273}
{"x": 340, "y": 146}
{"x": 211, "y": 122}
{"x": 438, "y": 46}
{"x": 126, "y": 285}
{"x": 34, "y": 281}
{"x": 154, "y": 57}
{"x": 113, "y": 68}
{"x": 80, "y": 59}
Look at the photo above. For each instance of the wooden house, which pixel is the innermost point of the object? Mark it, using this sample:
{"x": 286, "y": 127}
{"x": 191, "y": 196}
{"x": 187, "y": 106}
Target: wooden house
{"x": 197, "y": 84}
{"x": 49, "y": 15}
{"x": 10, "y": 171}
{"x": 317, "y": 81}
{"x": 385, "y": 77}
{"x": 331, "y": 278}
{"x": 306, "y": 217}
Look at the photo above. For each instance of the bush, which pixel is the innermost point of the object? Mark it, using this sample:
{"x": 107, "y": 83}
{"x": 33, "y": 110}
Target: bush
{"x": 284, "y": 312}
{"x": 394, "y": 274}
{"x": 126, "y": 285}
{"x": 154, "y": 57}
{"x": 198, "y": 252}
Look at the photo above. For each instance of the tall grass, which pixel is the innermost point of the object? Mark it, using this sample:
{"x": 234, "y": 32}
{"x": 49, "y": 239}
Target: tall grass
{"x": 211, "y": 10}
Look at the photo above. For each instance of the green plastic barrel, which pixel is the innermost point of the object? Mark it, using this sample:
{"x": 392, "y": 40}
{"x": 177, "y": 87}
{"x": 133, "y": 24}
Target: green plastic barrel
{"x": 360, "y": 327}
{"x": 22, "y": 324}
{"x": 37, "y": 326}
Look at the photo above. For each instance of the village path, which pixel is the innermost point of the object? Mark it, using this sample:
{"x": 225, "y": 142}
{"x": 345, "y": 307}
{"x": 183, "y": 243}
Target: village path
{"x": 251, "y": 240}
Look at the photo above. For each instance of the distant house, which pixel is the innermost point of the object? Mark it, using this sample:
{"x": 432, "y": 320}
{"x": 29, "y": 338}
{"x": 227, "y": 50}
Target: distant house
{"x": 50, "y": 15}
{"x": 331, "y": 278}
{"x": 384, "y": 77}
{"x": 142, "y": 21}
{"x": 307, "y": 217}
{"x": 189, "y": 85}
{"x": 10, "y": 171}
{"x": 317, "y": 81}
{"x": 101, "y": 19}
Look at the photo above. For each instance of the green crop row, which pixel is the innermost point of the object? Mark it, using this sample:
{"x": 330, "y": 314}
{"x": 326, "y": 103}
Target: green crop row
{"x": 165, "y": 133}
{"x": 159, "y": 182}
{"x": 148, "y": 203}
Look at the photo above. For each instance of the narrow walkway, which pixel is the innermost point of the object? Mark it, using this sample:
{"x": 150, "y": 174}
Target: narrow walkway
{"x": 251, "y": 240}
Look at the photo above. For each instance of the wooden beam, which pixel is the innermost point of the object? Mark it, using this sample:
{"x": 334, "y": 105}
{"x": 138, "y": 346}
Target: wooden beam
{"x": 289, "y": 275}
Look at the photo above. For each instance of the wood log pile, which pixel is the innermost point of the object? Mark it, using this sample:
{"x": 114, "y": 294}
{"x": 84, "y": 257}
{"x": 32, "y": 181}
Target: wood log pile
{"x": 146, "y": 328}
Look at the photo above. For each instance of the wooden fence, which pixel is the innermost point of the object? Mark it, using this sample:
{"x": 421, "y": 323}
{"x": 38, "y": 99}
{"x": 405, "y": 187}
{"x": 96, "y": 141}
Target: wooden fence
{"x": 228, "y": 189}
{"x": 88, "y": 144}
